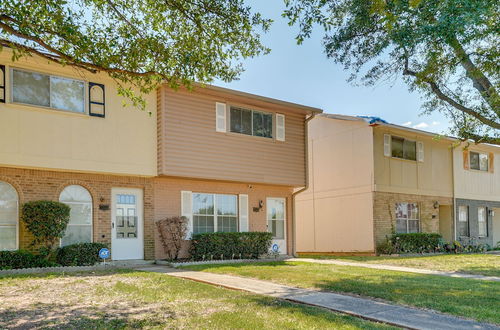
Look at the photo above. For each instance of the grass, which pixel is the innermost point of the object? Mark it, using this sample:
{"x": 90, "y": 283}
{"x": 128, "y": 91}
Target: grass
{"x": 463, "y": 297}
{"x": 480, "y": 264}
{"x": 128, "y": 299}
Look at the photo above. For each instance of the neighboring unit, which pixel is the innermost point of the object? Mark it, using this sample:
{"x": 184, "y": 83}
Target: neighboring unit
{"x": 369, "y": 179}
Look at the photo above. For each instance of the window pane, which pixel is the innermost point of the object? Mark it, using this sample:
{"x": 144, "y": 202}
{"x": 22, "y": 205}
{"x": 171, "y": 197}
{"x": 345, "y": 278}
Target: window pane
{"x": 241, "y": 121}
{"x": 226, "y": 204}
{"x": 75, "y": 193}
{"x": 463, "y": 221}
{"x": 482, "y": 223}
{"x": 203, "y": 204}
{"x": 413, "y": 211}
{"x": 30, "y": 88}
{"x": 401, "y": 210}
{"x": 397, "y": 147}
{"x": 262, "y": 124}
{"x": 227, "y": 224}
{"x": 67, "y": 94}
{"x": 277, "y": 227}
{"x": 413, "y": 226}
{"x": 401, "y": 226}
{"x": 8, "y": 237}
{"x": 203, "y": 224}
{"x": 77, "y": 234}
{"x": 81, "y": 214}
{"x": 474, "y": 160}
{"x": 410, "y": 150}
{"x": 483, "y": 162}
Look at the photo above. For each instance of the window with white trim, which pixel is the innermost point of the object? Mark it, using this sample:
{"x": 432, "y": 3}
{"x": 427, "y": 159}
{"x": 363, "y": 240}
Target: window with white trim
{"x": 9, "y": 202}
{"x": 214, "y": 213}
{"x": 482, "y": 222}
{"x": 463, "y": 221}
{"x": 48, "y": 91}
{"x": 251, "y": 122}
{"x": 403, "y": 148}
{"x": 478, "y": 161}
{"x": 407, "y": 218}
{"x": 79, "y": 228}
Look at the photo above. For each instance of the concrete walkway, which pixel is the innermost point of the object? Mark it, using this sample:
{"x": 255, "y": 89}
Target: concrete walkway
{"x": 398, "y": 268}
{"x": 405, "y": 317}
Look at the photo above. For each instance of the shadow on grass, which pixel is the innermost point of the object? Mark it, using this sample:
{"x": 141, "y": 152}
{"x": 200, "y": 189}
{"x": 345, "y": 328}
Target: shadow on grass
{"x": 83, "y": 317}
{"x": 106, "y": 272}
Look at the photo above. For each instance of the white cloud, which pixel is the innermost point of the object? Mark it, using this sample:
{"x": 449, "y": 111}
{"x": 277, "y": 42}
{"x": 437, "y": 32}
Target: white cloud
{"x": 422, "y": 125}
{"x": 408, "y": 123}
{"x": 434, "y": 123}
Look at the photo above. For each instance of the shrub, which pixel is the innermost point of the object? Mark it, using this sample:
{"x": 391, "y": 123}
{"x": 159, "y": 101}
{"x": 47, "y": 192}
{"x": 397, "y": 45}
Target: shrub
{"x": 230, "y": 245}
{"x": 22, "y": 259}
{"x": 386, "y": 247}
{"x": 81, "y": 254}
{"x": 47, "y": 221}
{"x": 172, "y": 232}
{"x": 416, "y": 242}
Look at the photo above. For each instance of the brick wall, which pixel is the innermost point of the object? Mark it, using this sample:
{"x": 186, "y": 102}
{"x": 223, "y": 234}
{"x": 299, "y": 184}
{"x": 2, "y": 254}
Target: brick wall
{"x": 384, "y": 212}
{"x": 34, "y": 185}
{"x": 167, "y": 200}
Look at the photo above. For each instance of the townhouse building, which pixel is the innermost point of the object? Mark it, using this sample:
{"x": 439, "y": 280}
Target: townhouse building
{"x": 369, "y": 179}
{"x": 227, "y": 160}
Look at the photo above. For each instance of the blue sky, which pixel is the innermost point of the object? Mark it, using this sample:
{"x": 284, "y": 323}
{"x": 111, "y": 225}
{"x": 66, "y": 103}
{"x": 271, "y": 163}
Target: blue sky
{"x": 302, "y": 74}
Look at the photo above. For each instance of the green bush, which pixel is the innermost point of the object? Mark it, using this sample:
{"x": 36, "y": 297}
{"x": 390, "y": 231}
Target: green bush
{"x": 22, "y": 259}
{"x": 416, "y": 242}
{"x": 47, "y": 221}
{"x": 82, "y": 254}
{"x": 245, "y": 245}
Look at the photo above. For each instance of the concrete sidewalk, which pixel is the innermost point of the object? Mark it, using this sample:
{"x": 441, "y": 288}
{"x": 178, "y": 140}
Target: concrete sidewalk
{"x": 406, "y": 317}
{"x": 398, "y": 268}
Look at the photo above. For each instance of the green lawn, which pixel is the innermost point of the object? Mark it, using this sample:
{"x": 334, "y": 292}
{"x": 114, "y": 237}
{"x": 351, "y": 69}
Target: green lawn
{"x": 468, "y": 298}
{"x": 482, "y": 264}
{"x": 128, "y": 299}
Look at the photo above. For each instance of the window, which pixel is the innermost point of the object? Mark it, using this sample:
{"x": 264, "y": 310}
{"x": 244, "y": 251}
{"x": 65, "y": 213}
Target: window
{"x": 214, "y": 213}
{"x": 79, "y": 228}
{"x": 463, "y": 221}
{"x": 482, "y": 222}
{"x": 251, "y": 122}
{"x": 8, "y": 217}
{"x": 407, "y": 218}
{"x": 402, "y": 148}
{"x": 478, "y": 161}
{"x": 48, "y": 91}
{"x": 276, "y": 217}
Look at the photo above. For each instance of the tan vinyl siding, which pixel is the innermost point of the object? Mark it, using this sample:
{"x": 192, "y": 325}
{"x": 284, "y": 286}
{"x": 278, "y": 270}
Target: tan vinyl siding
{"x": 191, "y": 147}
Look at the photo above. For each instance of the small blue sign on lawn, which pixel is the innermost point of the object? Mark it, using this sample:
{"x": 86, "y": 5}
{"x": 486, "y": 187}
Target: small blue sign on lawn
{"x": 275, "y": 248}
{"x": 104, "y": 253}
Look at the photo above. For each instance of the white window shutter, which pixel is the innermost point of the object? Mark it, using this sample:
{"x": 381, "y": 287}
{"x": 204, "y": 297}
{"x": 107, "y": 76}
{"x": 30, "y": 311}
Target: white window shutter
{"x": 187, "y": 210}
{"x": 420, "y": 151}
{"x": 243, "y": 207}
{"x": 280, "y": 127}
{"x": 220, "y": 117}
{"x": 387, "y": 145}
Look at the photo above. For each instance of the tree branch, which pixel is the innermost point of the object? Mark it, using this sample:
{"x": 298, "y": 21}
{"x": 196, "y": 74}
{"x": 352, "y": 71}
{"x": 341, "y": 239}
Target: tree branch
{"x": 442, "y": 96}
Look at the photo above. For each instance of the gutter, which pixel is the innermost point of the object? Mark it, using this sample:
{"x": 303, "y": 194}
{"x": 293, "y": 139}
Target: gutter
{"x": 306, "y": 164}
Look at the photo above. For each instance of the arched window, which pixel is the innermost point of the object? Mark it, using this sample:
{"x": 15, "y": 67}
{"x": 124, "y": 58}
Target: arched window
{"x": 79, "y": 228}
{"x": 8, "y": 217}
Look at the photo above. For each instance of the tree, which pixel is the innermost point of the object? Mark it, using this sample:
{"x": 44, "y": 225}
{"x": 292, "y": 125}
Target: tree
{"x": 446, "y": 49}
{"x": 139, "y": 43}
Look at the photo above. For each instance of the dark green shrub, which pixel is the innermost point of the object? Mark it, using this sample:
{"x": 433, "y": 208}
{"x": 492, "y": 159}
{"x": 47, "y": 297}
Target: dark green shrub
{"x": 47, "y": 221}
{"x": 245, "y": 245}
{"x": 386, "y": 247}
{"x": 417, "y": 242}
{"x": 81, "y": 254}
{"x": 22, "y": 259}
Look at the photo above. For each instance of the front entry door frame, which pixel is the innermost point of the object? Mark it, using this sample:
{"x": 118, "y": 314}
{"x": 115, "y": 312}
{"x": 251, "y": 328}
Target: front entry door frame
{"x": 281, "y": 242}
{"x": 127, "y": 233}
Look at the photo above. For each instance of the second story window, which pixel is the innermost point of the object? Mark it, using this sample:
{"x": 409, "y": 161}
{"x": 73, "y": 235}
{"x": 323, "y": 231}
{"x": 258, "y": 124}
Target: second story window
{"x": 48, "y": 91}
{"x": 402, "y": 148}
{"x": 478, "y": 161}
{"x": 251, "y": 122}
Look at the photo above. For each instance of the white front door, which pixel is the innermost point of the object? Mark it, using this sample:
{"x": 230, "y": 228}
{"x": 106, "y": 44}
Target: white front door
{"x": 276, "y": 222}
{"x": 127, "y": 224}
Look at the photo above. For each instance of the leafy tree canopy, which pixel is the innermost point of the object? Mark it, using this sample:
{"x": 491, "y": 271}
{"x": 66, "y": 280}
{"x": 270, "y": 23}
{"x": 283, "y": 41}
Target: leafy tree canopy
{"x": 137, "y": 42}
{"x": 446, "y": 49}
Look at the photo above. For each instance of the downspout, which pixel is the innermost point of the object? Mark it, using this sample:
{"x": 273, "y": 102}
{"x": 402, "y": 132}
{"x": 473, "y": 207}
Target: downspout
{"x": 454, "y": 200}
{"x": 306, "y": 163}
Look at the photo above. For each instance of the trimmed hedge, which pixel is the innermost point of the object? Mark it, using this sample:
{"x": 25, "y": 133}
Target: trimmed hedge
{"x": 247, "y": 245}
{"x": 81, "y": 254}
{"x": 22, "y": 259}
{"x": 416, "y": 242}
